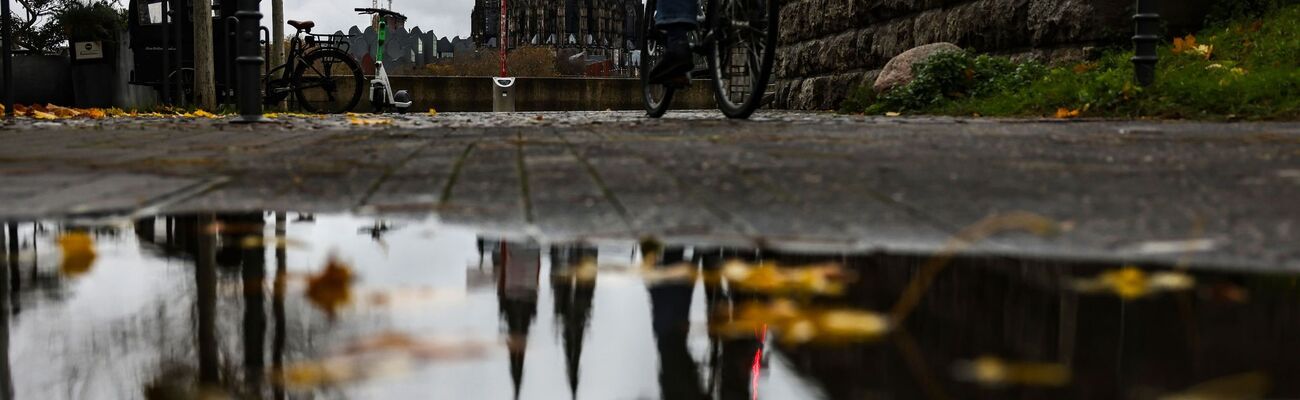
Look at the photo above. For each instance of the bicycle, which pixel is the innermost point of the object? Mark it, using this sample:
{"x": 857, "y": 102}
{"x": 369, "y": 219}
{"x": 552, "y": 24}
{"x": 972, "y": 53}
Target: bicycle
{"x": 318, "y": 72}
{"x": 738, "y": 40}
{"x": 382, "y": 95}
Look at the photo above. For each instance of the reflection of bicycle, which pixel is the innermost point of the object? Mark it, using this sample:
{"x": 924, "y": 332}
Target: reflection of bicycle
{"x": 738, "y": 39}
{"x": 318, "y": 72}
{"x": 382, "y": 95}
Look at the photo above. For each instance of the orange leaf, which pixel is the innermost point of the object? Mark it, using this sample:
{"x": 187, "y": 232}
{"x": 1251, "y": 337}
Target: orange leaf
{"x": 331, "y": 289}
{"x": 1065, "y": 113}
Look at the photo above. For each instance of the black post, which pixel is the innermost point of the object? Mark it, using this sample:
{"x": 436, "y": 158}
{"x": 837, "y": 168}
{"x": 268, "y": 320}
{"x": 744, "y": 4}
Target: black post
{"x": 249, "y": 62}
{"x": 7, "y": 32}
{"x": 166, "y": 55}
{"x": 1145, "y": 39}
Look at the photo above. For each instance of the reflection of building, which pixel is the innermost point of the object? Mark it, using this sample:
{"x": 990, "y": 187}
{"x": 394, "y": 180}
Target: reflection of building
{"x": 516, "y": 266}
{"x": 573, "y": 293}
{"x": 601, "y": 30}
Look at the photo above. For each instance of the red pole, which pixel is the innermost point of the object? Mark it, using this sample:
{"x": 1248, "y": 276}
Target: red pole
{"x": 501, "y": 44}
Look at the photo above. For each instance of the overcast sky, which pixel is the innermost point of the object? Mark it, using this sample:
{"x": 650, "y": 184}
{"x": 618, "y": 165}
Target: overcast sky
{"x": 444, "y": 17}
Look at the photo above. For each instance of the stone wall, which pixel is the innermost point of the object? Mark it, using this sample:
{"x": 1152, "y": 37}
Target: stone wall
{"x": 829, "y": 47}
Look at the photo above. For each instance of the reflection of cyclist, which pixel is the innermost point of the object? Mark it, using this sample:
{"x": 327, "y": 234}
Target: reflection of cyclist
{"x": 676, "y": 18}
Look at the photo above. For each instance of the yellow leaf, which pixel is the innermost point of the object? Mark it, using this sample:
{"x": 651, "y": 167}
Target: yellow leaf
{"x": 78, "y": 250}
{"x": 893, "y": 114}
{"x": 993, "y": 371}
{"x": 433, "y": 112}
{"x": 204, "y": 114}
{"x": 42, "y": 115}
{"x": 369, "y": 121}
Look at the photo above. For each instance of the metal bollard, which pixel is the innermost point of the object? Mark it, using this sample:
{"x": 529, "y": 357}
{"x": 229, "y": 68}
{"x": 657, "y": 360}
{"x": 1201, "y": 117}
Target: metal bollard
{"x": 8, "y": 59}
{"x": 503, "y": 94}
{"x": 1145, "y": 39}
{"x": 249, "y": 62}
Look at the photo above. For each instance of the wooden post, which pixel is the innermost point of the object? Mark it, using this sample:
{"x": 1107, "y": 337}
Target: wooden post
{"x": 205, "y": 86}
{"x": 8, "y": 58}
{"x": 277, "y": 33}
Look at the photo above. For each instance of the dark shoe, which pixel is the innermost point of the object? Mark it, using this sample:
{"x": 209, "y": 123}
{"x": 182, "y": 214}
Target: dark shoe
{"x": 676, "y": 62}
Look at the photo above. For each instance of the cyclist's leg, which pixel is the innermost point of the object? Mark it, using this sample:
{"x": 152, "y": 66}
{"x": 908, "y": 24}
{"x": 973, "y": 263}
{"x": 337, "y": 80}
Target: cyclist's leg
{"x": 676, "y": 18}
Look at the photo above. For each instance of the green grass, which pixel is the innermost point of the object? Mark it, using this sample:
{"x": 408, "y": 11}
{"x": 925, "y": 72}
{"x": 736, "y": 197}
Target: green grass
{"x": 1253, "y": 72}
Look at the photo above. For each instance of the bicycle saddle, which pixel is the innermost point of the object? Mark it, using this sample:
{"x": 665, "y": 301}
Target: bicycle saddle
{"x": 302, "y": 25}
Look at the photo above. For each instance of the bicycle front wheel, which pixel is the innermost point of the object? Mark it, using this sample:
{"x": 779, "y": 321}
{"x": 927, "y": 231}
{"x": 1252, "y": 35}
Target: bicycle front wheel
{"x": 328, "y": 81}
{"x": 741, "y": 57}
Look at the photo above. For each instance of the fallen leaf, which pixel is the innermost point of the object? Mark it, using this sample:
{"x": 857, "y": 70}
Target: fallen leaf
{"x": 332, "y": 288}
{"x": 1065, "y": 113}
{"x": 993, "y": 371}
{"x": 433, "y": 112}
{"x": 369, "y": 121}
{"x": 1131, "y": 283}
{"x": 204, "y": 114}
{"x": 42, "y": 115}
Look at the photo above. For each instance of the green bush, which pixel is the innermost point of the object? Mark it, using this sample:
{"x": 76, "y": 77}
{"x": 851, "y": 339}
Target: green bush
{"x": 1249, "y": 68}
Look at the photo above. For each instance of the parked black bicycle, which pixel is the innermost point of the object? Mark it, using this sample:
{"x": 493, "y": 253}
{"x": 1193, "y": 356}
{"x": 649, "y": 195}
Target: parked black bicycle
{"x": 318, "y": 72}
{"x": 737, "y": 38}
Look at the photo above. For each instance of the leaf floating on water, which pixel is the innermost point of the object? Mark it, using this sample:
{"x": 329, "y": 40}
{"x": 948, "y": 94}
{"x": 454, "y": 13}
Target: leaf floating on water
{"x": 795, "y": 325}
{"x": 769, "y": 278}
{"x": 993, "y": 371}
{"x": 433, "y": 112}
{"x": 257, "y": 242}
{"x": 1244, "y": 386}
{"x": 332, "y": 288}
{"x": 78, "y": 250}
{"x": 1131, "y": 283}
{"x": 380, "y": 355}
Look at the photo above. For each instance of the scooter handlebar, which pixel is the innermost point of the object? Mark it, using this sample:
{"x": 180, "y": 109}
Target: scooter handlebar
{"x": 381, "y": 12}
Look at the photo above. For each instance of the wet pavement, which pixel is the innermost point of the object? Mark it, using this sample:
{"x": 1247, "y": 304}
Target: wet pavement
{"x": 606, "y": 256}
{"x": 1213, "y": 195}
{"x": 291, "y": 305}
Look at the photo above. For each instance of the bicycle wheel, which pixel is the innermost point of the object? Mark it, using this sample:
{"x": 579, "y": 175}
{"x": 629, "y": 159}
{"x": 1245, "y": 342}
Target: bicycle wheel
{"x": 741, "y": 57}
{"x": 328, "y": 81}
{"x": 657, "y": 97}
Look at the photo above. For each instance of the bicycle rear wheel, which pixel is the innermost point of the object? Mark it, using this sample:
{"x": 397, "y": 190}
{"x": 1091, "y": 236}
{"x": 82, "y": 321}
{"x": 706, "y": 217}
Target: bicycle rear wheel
{"x": 328, "y": 81}
{"x": 742, "y": 55}
{"x": 657, "y": 97}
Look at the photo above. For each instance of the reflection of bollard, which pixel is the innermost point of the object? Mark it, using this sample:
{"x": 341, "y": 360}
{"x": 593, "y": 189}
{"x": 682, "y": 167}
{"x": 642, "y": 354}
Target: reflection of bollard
{"x": 1145, "y": 39}
{"x": 503, "y": 94}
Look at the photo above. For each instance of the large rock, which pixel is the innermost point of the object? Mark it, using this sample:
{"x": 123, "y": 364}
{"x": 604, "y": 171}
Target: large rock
{"x": 898, "y": 71}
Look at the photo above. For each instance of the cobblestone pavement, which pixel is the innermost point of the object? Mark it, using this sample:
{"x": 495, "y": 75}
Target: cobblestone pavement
{"x": 1219, "y": 195}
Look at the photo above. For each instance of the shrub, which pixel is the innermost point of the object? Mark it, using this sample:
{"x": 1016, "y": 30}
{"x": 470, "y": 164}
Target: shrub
{"x": 1249, "y": 68}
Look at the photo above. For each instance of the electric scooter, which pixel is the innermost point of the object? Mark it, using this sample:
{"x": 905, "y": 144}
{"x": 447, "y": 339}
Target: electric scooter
{"x": 382, "y": 96}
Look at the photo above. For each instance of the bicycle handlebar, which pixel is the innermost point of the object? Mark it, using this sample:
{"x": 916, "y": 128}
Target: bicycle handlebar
{"x": 381, "y": 12}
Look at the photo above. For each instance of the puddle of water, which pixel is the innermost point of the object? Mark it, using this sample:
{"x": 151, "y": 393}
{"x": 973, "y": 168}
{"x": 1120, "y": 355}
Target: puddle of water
{"x": 265, "y": 305}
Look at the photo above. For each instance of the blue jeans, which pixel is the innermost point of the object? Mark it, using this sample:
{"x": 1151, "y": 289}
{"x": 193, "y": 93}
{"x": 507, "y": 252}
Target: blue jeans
{"x": 677, "y": 12}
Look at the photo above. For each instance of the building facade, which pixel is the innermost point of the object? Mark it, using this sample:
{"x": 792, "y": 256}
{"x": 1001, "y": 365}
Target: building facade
{"x": 597, "y": 29}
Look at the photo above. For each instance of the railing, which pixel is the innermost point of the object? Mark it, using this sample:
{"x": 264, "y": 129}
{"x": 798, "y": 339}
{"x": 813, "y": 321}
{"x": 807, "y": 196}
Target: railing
{"x": 1146, "y": 37}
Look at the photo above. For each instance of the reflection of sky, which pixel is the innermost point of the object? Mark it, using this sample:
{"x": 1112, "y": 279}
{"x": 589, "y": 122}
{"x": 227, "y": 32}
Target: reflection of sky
{"x": 105, "y": 339}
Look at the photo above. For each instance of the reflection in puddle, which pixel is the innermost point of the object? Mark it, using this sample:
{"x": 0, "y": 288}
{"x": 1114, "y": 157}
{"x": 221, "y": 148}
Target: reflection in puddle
{"x": 269, "y": 305}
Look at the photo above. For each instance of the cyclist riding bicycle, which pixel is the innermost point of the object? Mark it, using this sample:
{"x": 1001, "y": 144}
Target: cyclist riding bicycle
{"x": 677, "y": 18}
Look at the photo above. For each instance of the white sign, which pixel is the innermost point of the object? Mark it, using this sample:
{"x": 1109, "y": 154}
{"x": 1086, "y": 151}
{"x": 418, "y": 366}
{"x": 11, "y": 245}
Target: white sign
{"x": 89, "y": 50}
